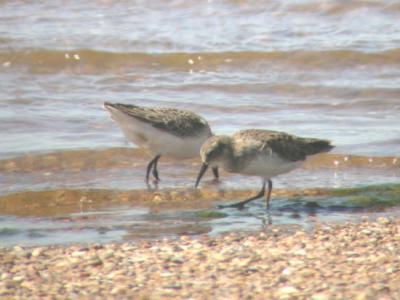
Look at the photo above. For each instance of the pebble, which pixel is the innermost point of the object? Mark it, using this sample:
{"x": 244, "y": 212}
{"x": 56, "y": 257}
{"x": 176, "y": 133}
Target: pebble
{"x": 287, "y": 290}
{"x": 37, "y": 252}
{"x": 321, "y": 296}
{"x": 18, "y": 278}
{"x": 383, "y": 220}
{"x": 350, "y": 261}
{"x": 107, "y": 254}
{"x": 77, "y": 254}
{"x": 118, "y": 290}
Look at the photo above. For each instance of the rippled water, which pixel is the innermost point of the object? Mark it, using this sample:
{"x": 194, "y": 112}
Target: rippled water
{"x": 316, "y": 68}
{"x": 328, "y": 69}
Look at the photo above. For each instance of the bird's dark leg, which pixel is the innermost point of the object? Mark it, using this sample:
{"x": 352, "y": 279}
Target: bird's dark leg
{"x": 240, "y": 204}
{"x": 155, "y": 171}
{"x": 149, "y": 166}
{"x": 268, "y": 197}
{"x": 216, "y": 174}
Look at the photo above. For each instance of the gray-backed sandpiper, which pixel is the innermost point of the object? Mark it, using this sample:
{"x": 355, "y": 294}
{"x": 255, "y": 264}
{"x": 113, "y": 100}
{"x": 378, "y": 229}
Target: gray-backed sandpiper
{"x": 161, "y": 131}
{"x": 258, "y": 152}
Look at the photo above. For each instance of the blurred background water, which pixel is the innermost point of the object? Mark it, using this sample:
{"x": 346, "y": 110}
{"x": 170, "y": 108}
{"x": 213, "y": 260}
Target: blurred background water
{"x": 316, "y": 68}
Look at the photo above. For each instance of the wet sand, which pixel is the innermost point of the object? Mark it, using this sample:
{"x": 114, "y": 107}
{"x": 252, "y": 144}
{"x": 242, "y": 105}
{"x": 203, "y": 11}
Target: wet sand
{"x": 64, "y": 201}
{"x": 347, "y": 261}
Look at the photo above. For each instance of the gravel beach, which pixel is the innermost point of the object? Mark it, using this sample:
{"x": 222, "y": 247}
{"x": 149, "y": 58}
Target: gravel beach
{"x": 347, "y": 261}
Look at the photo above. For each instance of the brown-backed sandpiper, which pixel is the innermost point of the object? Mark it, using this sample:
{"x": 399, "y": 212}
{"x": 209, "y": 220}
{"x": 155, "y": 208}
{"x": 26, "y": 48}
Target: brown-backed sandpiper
{"x": 258, "y": 152}
{"x": 161, "y": 131}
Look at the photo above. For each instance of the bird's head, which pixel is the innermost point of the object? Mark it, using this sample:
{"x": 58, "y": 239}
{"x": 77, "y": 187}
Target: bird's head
{"x": 214, "y": 152}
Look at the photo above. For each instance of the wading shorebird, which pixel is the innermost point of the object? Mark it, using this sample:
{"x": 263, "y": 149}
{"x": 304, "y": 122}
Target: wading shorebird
{"x": 258, "y": 152}
{"x": 161, "y": 131}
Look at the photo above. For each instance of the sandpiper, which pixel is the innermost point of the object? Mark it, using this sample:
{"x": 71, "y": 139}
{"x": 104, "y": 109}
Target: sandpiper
{"x": 258, "y": 152}
{"x": 161, "y": 131}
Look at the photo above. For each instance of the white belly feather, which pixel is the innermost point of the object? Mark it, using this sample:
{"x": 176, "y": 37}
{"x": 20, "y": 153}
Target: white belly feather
{"x": 268, "y": 166}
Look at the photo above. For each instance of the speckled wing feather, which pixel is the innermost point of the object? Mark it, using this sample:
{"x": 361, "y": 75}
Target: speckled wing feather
{"x": 288, "y": 147}
{"x": 175, "y": 121}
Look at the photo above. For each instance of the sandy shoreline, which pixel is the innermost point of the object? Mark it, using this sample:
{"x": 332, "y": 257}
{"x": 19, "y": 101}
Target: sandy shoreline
{"x": 349, "y": 261}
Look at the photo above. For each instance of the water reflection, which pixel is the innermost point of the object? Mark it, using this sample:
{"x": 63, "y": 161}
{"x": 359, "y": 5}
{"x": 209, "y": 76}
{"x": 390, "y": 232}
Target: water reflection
{"x": 125, "y": 222}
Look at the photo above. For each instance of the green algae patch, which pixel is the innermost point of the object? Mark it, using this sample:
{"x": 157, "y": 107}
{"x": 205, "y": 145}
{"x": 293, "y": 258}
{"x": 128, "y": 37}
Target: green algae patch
{"x": 6, "y": 231}
{"x": 210, "y": 214}
{"x": 312, "y": 204}
{"x": 373, "y": 201}
{"x": 383, "y": 188}
{"x": 374, "y": 196}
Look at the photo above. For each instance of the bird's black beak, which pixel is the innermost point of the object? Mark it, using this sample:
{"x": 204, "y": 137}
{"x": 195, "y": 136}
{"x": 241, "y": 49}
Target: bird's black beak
{"x": 203, "y": 169}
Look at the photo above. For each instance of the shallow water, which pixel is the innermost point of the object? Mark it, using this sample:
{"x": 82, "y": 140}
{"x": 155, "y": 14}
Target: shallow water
{"x": 79, "y": 216}
{"x": 326, "y": 69}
